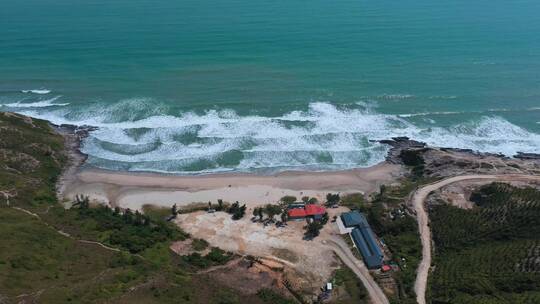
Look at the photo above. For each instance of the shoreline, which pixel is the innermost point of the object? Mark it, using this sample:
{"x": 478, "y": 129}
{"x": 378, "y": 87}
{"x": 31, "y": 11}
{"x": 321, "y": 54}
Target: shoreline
{"x": 135, "y": 189}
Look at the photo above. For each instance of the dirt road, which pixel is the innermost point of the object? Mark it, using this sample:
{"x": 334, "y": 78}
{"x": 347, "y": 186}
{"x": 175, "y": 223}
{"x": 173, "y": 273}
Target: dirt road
{"x": 423, "y": 221}
{"x": 342, "y": 250}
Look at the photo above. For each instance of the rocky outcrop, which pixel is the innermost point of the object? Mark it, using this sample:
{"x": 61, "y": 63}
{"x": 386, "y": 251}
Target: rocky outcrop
{"x": 528, "y": 156}
{"x": 398, "y": 145}
{"x": 443, "y": 162}
{"x": 73, "y": 137}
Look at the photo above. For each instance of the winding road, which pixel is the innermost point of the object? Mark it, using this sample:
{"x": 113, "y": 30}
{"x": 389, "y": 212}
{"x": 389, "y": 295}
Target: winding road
{"x": 418, "y": 200}
{"x": 359, "y": 268}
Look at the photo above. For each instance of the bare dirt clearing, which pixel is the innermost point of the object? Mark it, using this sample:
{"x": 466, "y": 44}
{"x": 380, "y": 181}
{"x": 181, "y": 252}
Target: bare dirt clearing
{"x": 313, "y": 259}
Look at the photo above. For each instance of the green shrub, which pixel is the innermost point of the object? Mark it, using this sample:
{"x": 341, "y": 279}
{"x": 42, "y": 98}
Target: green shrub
{"x": 354, "y": 201}
{"x": 199, "y": 244}
{"x": 288, "y": 199}
{"x": 215, "y": 257}
{"x": 269, "y": 296}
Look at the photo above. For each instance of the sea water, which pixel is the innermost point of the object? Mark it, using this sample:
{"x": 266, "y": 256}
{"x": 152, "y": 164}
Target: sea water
{"x": 195, "y": 86}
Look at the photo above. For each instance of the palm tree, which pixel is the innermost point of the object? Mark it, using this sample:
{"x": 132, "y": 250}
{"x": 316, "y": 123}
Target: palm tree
{"x": 284, "y": 216}
{"x": 174, "y": 211}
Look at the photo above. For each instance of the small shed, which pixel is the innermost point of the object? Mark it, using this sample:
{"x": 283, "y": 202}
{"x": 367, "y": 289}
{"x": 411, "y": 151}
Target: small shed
{"x": 386, "y": 268}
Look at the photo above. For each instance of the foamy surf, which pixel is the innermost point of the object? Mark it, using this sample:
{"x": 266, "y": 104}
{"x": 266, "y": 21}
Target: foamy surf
{"x": 37, "y": 104}
{"x": 39, "y": 91}
{"x": 323, "y": 137}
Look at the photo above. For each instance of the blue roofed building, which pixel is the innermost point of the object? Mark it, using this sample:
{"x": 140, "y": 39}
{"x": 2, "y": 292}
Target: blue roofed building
{"x": 364, "y": 238}
{"x": 354, "y": 219}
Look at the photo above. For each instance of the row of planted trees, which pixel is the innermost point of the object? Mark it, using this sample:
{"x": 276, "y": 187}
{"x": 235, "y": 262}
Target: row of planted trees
{"x": 495, "y": 245}
{"x": 270, "y": 211}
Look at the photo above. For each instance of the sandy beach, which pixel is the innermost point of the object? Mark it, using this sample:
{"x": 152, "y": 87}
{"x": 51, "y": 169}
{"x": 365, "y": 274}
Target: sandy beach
{"x": 133, "y": 190}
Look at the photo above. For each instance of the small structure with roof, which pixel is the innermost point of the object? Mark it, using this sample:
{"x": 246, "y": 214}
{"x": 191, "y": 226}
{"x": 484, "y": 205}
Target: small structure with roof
{"x": 363, "y": 238}
{"x": 313, "y": 211}
{"x": 386, "y": 268}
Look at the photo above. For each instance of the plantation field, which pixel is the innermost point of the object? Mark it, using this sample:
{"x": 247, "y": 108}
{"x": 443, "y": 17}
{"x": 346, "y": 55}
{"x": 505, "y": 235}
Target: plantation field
{"x": 491, "y": 253}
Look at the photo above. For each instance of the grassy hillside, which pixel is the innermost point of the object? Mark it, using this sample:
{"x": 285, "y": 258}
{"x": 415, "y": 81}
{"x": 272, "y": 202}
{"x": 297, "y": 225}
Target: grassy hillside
{"x": 40, "y": 265}
{"x": 31, "y": 159}
{"x": 490, "y": 254}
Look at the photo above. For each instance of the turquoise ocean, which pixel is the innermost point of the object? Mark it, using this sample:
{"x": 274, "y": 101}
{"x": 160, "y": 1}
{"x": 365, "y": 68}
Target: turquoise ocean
{"x": 198, "y": 86}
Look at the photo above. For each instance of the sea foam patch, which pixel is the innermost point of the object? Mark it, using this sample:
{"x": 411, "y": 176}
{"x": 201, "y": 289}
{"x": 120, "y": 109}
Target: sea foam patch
{"x": 136, "y": 134}
{"x": 36, "y": 104}
{"x": 36, "y": 91}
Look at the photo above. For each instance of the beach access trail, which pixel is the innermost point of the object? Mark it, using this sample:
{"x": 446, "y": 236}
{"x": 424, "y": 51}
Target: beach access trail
{"x": 418, "y": 201}
{"x": 342, "y": 250}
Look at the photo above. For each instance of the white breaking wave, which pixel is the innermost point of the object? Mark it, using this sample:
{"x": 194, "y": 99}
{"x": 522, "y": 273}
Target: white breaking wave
{"x": 430, "y": 113}
{"x": 40, "y": 91}
{"x": 323, "y": 136}
{"x": 37, "y": 104}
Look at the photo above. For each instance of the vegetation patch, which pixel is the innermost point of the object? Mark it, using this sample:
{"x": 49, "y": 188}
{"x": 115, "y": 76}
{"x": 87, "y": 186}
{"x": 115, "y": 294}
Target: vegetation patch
{"x": 348, "y": 288}
{"x": 415, "y": 160}
{"x": 269, "y": 296}
{"x": 491, "y": 253}
{"x": 199, "y": 244}
{"x": 132, "y": 231}
{"x": 354, "y": 201}
{"x": 237, "y": 211}
{"x": 390, "y": 220}
{"x": 215, "y": 257}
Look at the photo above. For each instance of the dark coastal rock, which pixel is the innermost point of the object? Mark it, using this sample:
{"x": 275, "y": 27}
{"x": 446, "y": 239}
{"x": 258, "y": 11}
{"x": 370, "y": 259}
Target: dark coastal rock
{"x": 446, "y": 161}
{"x": 527, "y": 156}
{"x": 457, "y": 150}
{"x": 474, "y": 152}
{"x": 403, "y": 142}
{"x": 398, "y": 145}
{"x": 74, "y": 136}
{"x": 81, "y": 131}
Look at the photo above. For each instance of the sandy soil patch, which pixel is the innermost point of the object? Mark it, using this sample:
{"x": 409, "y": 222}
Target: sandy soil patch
{"x": 247, "y": 278}
{"x": 312, "y": 259}
{"x": 186, "y": 248}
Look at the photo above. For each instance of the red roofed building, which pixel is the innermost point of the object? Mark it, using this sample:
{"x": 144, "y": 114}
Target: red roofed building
{"x": 309, "y": 210}
{"x": 386, "y": 268}
{"x": 313, "y": 210}
{"x": 296, "y": 213}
